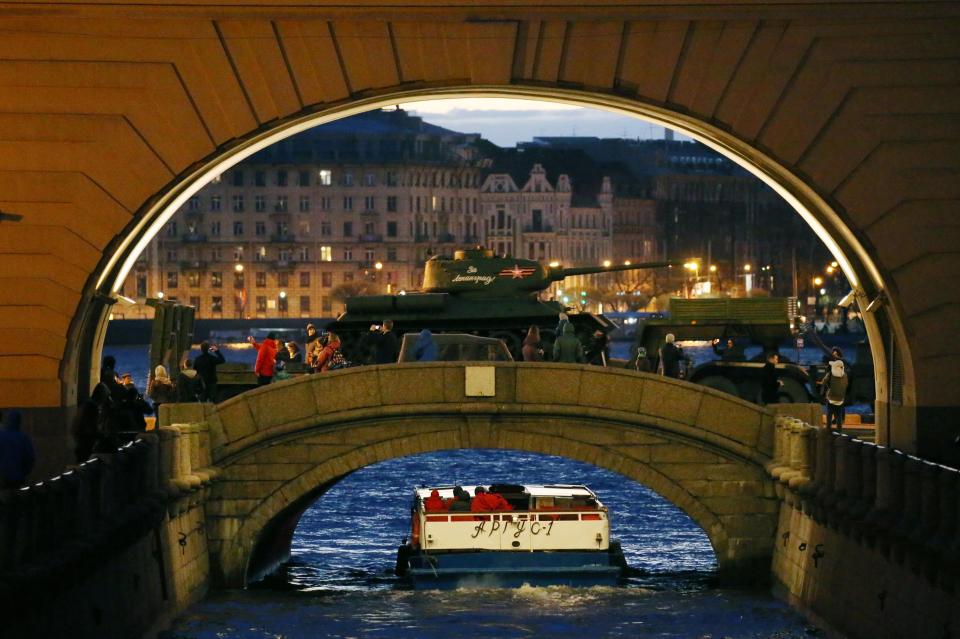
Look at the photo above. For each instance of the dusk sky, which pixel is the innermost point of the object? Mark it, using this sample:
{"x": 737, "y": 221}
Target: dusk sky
{"x": 507, "y": 121}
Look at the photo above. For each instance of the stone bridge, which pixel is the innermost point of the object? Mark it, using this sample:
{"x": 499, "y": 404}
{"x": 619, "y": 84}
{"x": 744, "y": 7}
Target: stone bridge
{"x": 275, "y": 450}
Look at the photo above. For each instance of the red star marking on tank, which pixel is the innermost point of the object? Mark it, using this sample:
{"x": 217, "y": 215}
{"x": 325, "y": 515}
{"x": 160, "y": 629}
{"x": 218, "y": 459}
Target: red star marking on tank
{"x": 518, "y": 271}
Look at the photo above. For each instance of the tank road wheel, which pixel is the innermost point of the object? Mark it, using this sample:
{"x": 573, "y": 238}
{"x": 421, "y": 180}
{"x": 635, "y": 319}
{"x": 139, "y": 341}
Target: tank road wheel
{"x": 792, "y": 391}
{"x": 720, "y": 383}
{"x": 512, "y": 340}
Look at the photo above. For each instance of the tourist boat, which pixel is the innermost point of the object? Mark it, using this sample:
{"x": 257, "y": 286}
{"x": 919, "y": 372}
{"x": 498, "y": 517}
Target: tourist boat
{"x": 555, "y": 535}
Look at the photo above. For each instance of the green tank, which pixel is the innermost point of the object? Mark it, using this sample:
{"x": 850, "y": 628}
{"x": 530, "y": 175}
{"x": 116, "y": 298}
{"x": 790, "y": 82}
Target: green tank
{"x": 476, "y": 292}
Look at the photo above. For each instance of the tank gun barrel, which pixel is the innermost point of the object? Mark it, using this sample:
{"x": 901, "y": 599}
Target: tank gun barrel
{"x": 556, "y": 274}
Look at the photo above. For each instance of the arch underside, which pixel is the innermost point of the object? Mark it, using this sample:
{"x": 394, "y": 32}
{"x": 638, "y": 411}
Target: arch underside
{"x": 730, "y": 498}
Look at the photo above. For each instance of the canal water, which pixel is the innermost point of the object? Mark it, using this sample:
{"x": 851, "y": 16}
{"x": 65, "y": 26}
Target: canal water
{"x": 339, "y": 582}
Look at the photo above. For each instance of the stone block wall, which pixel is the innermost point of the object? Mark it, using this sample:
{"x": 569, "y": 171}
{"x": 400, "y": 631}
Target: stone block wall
{"x": 867, "y": 537}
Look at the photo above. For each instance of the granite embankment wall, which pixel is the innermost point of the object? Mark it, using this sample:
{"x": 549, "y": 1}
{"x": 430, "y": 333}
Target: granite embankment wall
{"x": 868, "y": 537}
{"x": 111, "y": 548}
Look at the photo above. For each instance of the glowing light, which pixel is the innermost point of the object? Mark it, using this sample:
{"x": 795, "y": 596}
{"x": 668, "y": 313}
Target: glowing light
{"x": 378, "y": 265}
{"x": 690, "y": 266}
{"x": 818, "y": 280}
{"x": 402, "y": 293}
{"x": 607, "y": 263}
{"x": 283, "y": 295}
{"x": 559, "y": 291}
{"x": 160, "y": 295}
{"x": 626, "y": 263}
{"x": 830, "y": 270}
{"x": 583, "y": 293}
{"x": 834, "y": 264}
{"x": 238, "y": 268}
{"x": 713, "y": 268}
{"x": 823, "y": 291}
{"x": 747, "y": 267}
{"x": 554, "y": 264}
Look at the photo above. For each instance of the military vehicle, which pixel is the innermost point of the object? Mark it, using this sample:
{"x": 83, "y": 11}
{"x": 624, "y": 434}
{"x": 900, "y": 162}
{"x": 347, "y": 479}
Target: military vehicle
{"x": 476, "y": 292}
{"x": 765, "y": 321}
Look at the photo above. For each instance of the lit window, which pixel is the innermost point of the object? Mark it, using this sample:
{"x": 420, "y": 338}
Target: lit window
{"x": 326, "y": 254}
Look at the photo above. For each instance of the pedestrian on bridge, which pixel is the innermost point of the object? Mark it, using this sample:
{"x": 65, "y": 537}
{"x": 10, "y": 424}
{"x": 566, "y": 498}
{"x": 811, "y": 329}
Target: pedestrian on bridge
{"x": 568, "y": 348}
{"x": 206, "y": 366}
{"x": 426, "y": 349}
{"x": 835, "y": 384}
{"x": 670, "y": 357}
{"x": 532, "y": 349}
{"x": 266, "y": 358}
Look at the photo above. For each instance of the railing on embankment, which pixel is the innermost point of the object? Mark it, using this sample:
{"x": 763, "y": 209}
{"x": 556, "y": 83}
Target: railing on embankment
{"x": 111, "y": 546}
{"x": 869, "y": 538}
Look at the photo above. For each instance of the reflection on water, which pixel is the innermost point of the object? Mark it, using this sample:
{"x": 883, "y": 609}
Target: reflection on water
{"x": 340, "y": 583}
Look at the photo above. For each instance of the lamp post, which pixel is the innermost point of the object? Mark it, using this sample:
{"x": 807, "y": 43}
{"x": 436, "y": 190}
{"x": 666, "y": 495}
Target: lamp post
{"x": 240, "y": 283}
{"x": 282, "y": 304}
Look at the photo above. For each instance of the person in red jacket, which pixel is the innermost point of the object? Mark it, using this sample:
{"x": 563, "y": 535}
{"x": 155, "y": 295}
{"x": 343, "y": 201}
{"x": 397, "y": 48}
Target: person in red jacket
{"x": 433, "y": 503}
{"x": 330, "y": 354}
{"x": 266, "y": 358}
{"x": 484, "y": 501}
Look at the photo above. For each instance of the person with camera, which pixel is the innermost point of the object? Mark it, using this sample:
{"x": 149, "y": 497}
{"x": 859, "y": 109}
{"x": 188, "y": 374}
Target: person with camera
{"x": 266, "y": 364}
{"x": 206, "y": 366}
{"x": 380, "y": 345}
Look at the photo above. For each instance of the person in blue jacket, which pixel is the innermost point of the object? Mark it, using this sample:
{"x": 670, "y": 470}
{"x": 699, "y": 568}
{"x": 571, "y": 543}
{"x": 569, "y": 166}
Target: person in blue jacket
{"x": 426, "y": 349}
{"x": 16, "y": 452}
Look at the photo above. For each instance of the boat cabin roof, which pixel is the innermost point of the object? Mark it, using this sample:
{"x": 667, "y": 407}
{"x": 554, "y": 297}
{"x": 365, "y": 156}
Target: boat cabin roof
{"x": 534, "y": 490}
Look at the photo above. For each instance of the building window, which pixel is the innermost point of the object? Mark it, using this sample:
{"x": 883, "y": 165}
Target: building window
{"x": 369, "y": 228}
{"x": 326, "y": 203}
{"x": 304, "y": 203}
{"x": 369, "y": 179}
{"x": 260, "y": 254}
{"x": 392, "y": 203}
{"x": 261, "y": 303}
{"x": 327, "y": 305}
{"x": 325, "y": 177}
{"x": 171, "y": 256}
{"x": 369, "y": 256}
{"x": 326, "y": 253}
{"x": 348, "y": 179}
{"x": 281, "y": 205}
{"x": 348, "y": 204}
{"x": 348, "y": 276}
{"x": 141, "y": 284}
{"x": 238, "y": 254}
{"x": 259, "y": 178}
{"x": 369, "y": 203}
{"x": 391, "y": 178}
{"x": 238, "y": 279}
{"x": 214, "y": 202}
{"x": 304, "y": 254}
{"x": 347, "y": 254}
{"x": 238, "y": 204}
{"x": 172, "y": 229}
{"x": 173, "y": 279}
{"x": 304, "y": 303}
{"x": 216, "y": 305}
{"x": 195, "y": 302}
{"x": 216, "y": 279}
{"x": 194, "y": 203}
{"x": 238, "y": 228}
{"x": 281, "y": 178}
{"x": 261, "y": 279}
{"x": 237, "y": 179}
{"x": 283, "y": 279}
{"x": 326, "y": 229}
{"x": 260, "y": 228}
{"x": 391, "y": 229}
{"x": 326, "y": 279}
{"x": 348, "y": 229}
{"x": 259, "y": 203}
{"x": 215, "y": 229}
{"x": 304, "y": 279}
{"x": 391, "y": 254}
{"x": 304, "y": 178}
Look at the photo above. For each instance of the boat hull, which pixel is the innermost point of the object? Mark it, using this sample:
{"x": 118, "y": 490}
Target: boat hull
{"x": 493, "y": 569}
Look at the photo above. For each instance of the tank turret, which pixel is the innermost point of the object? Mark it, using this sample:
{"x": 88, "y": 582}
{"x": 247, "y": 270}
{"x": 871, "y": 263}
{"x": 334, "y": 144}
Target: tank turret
{"x": 477, "y": 273}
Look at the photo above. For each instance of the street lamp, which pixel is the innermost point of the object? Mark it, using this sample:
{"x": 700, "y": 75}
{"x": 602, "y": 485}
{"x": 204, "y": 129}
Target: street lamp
{"x": 606, "y": 263}
{"x": 818, "y": 280}
{"x": 238, "y": 268}
{"x": 159, "y": 295}
{"x": 378, "y": 265}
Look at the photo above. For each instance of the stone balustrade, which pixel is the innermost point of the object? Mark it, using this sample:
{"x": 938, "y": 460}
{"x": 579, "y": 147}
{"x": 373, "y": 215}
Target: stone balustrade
{"x": 904, "y": 506}
{"x": 55, "y": 533}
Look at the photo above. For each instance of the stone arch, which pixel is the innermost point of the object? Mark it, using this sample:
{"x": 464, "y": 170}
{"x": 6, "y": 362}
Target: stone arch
{"x": 699, "y": 449}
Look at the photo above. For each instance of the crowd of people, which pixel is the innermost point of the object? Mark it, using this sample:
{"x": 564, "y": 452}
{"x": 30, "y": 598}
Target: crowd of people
{"x": 483, "y": 500}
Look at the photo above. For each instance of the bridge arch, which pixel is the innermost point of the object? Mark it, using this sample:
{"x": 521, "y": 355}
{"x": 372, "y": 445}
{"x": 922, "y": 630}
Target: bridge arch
{"x": 276, "y": 449}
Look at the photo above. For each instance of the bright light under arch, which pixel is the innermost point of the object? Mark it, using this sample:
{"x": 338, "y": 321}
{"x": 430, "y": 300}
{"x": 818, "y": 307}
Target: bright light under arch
{"x": 803, "y": 199}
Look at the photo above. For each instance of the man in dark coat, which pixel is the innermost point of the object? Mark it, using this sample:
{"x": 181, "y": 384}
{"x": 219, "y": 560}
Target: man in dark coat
{"x": 206, "y": 367}
{"x": 16, "y": 452}
{"x": 381, "y": 345}
{"x": 769, "y": 384}
{"x": 670, "y": 357}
